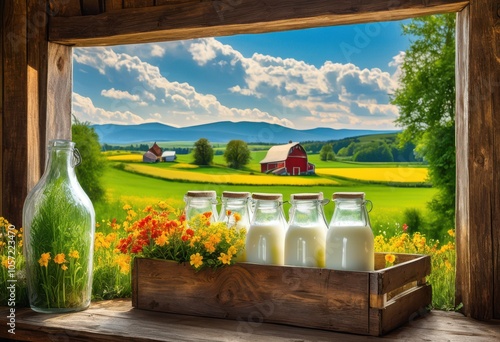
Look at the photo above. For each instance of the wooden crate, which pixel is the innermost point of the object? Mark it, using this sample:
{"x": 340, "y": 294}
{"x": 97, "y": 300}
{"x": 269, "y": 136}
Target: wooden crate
{"x": 367, "y": 303}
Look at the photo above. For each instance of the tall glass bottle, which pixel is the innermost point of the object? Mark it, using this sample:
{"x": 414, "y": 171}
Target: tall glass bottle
{"x": 349, "y": 241}
{"x": 266, "y": 236}
{"x": 306, "y": 234}
{"x": 201, "y": 202}
{"x": 59, "y": 225}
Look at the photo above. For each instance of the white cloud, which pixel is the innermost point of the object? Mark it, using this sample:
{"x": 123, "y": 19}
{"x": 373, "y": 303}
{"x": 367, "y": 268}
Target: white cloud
{"x": 84, "y": 110}
{"x": 182, "y": 102}
{"x": 157, "y": 50}
{"x": 322, "y": 94}
{"x": 119, "y": 95}
{"x": 333, "y": 94}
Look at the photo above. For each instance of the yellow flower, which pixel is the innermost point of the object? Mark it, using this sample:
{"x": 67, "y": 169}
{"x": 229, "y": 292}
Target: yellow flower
{"x": 232, "y": 250}
{"x": 64, "y": 267}
{"x": 448, "y": 265}
{"x": 74, "y": 254}
{"x": 215, "y": 239}
{"x": 451, "y": 233}
{"x": 162, "y": 240}
{"x": 60, "y": 258}
{"x": 126, "y": 207}
{"x": 162, "y": 205}
{"x": 5, "y": 263}
{"x": 225, "y": 258}
{"x": 44, "y": 260}
{"x": 196, "y": 260}
{"x": 123, "y": 262}
{"x": 390, "y": 258}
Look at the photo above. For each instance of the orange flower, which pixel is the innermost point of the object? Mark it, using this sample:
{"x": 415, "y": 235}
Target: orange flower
{"x": 237, "y": 217}
{"x": 390, "y": 258}
{"x": 44, "y": 260}
{"x": 162, "y": 240}
{"x": 60, "y": 258}
{"x": 64, "y": 267}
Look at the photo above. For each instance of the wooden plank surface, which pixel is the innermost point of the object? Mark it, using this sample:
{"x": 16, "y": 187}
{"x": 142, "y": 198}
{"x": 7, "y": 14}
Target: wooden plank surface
{"x": 116, "y": 320}
{"x": 194, "y": 18}
{"x": 478, "y": 114}
{"x": 307, "y": 297}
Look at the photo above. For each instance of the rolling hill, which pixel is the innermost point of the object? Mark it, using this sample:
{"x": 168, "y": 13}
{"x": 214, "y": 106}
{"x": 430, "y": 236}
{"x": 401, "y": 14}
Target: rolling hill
{"x": 221, "y": 132}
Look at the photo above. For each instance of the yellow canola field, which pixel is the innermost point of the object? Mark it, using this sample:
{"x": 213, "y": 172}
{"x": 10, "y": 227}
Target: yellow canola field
{"x": 385, "y": 174}
{"x": 257, "y": 179}
{"x": 126, "y": 157}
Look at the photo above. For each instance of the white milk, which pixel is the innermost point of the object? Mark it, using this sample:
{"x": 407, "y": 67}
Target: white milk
{"x": 305, "y": 246}
{"x": 350, "y": 248}
{"x": 265, "y": 244}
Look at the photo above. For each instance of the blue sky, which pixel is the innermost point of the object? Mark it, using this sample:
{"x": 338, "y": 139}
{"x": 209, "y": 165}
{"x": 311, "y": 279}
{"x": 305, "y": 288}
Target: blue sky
{"x": 335, "y": 77}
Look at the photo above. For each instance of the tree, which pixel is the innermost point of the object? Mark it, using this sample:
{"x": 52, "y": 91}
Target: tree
{"x": 374, "y": 152}
{"x": 426, "y": 101}
{"x": 92, "y": 166}
{"x": 237, "y": 154}
{"x": 327, "y": 153}
{"x": 203, "y": 152}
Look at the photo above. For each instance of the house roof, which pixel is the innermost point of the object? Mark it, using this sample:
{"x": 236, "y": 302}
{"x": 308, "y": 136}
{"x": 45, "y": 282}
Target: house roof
{"x": 149, "y": 155}
{"x": 168, "y": 154}
{"x": 278, "y": 153}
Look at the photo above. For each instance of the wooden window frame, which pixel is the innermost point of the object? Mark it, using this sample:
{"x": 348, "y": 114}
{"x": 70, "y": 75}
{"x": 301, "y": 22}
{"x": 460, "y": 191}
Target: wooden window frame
{"x": 36, "y": 92}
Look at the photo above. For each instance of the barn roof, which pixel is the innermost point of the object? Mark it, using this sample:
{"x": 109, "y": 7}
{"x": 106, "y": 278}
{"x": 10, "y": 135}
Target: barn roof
{"x": 278, "y": 153}
{"x": 155, "y": 149}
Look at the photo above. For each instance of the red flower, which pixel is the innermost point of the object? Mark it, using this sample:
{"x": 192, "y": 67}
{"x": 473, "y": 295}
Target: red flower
{"x": 185, "y": 237}
{"x": 189, "y": 232}
{"x": 405, "y": 227}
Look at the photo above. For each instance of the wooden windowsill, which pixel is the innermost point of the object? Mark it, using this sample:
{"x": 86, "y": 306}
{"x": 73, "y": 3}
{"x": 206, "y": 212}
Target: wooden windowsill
{"x": 116, "y": 320}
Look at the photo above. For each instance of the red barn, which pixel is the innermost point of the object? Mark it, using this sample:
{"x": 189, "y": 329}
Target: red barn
{"x": 288, "y": 159}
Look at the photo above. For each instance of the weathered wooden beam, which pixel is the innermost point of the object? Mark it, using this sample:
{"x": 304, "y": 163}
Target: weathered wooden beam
{"x": 59, "y": 91}
{"x": 195, "y": 18}
{"x": 1, "y": 103}
{"x": 478, "y": 160}
{"x": 15, "y": 162}
{"x": 37, "y": 19}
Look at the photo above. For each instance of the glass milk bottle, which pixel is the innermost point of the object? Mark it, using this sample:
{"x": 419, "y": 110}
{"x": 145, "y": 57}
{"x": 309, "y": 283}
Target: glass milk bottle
{"x": 200, "y": 202}
{"x": 306, "y": 234}
{"x": 236, "y": 212}
{"x": 235, "y": 209}
{"x": 266, "y": 235}
{"x": 349, "y": 241}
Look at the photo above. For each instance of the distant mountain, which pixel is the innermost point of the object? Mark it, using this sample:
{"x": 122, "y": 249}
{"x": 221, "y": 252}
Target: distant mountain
{"x": 221, "y": 132}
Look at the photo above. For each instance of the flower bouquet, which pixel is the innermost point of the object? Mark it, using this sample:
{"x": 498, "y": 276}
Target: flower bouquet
{"x": 164, "y": 233}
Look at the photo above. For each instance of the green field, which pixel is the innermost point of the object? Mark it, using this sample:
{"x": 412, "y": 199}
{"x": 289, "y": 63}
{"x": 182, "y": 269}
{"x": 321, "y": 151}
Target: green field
{"x": 139, "y": 190}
